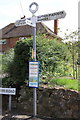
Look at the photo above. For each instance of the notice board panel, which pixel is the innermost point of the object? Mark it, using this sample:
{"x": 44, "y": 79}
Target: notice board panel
{"x": 34, "y": 74}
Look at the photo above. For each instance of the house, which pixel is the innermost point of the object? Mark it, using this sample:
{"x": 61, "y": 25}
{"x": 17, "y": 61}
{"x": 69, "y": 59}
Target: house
{"x": 10, "y": 34}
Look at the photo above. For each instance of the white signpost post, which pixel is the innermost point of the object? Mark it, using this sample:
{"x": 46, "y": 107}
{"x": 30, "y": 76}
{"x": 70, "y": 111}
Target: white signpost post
{"x": 32, "y": 22}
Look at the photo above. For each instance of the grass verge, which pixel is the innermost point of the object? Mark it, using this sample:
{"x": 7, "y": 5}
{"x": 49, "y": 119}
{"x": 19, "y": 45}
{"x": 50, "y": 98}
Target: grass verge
{"x": 66, "y": 83}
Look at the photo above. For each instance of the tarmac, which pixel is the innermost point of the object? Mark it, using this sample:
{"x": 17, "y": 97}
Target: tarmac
{"x": 15, "y": 115}
{"x": 21, "y": 116}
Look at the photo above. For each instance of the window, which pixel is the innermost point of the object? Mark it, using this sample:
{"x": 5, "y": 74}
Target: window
{"x": 22, "y": 38}
{"x": 2, "y": 42}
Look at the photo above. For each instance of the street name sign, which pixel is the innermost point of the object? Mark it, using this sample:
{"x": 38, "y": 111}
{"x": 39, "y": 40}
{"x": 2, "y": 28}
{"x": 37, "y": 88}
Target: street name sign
{"x": 34, "y": 74}
{"x": 8, "y": 91}
{"x": 25, "y": 21}
{"x": 51, "y": 16}
{"x": 20, "y": 22}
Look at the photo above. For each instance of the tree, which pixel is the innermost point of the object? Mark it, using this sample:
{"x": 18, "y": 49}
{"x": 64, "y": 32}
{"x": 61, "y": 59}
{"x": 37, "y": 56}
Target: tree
{"x": 72, "y": 43}
{"x": 54, "y": 57}
{"x": 7, "y": 59}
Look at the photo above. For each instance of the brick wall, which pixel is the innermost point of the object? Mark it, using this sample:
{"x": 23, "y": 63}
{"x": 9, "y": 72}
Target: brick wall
{"x": 10, "y": 43}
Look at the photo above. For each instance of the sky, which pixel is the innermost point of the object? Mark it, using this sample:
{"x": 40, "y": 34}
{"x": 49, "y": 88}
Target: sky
{"x": 12, "y": 10}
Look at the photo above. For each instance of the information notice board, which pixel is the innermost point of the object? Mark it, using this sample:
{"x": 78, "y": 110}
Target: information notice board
{"x": 34, "y": 74}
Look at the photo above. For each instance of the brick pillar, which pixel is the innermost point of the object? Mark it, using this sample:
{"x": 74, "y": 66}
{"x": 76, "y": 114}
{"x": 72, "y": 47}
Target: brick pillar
{"x": 56, "y": 27}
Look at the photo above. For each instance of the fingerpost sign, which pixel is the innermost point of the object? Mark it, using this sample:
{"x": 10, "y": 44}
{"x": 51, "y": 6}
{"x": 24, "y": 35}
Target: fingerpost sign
{"x": 34, "y": 65}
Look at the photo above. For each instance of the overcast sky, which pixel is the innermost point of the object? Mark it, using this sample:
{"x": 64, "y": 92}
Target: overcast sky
{"x": 12, "y": 10}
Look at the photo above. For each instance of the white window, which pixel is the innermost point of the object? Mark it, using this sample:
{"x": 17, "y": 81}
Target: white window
{"x": 2, "y": 42}
{"x": 22, "y": 38}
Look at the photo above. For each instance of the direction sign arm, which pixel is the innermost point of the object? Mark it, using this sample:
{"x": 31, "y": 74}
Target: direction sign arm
{"x": 51, "y": 16}
{"x": 25, "y": 21}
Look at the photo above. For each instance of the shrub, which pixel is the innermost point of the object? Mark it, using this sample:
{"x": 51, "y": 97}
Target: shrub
{"x": 54, "y": 57}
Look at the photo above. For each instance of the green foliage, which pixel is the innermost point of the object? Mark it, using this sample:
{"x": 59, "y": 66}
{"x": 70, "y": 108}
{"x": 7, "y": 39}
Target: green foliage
{"x": 7, "y": 59}
{"x": 54, "y": 57}
{"x": 15, "y": 63}
{"x": 1, "y": 62}
{"x": 74, "y": 47}
{"x": 7, "y": 82}
{"x": 18, "y": 70}
{"x": 78, "y": 46}
{"x": 7, "y": 62}
{"x": 21, "y": 59}
{"x": 67, "y": 83}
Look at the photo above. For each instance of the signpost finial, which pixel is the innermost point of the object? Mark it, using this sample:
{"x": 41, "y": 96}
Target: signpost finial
{"x": 33, "y": 10}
